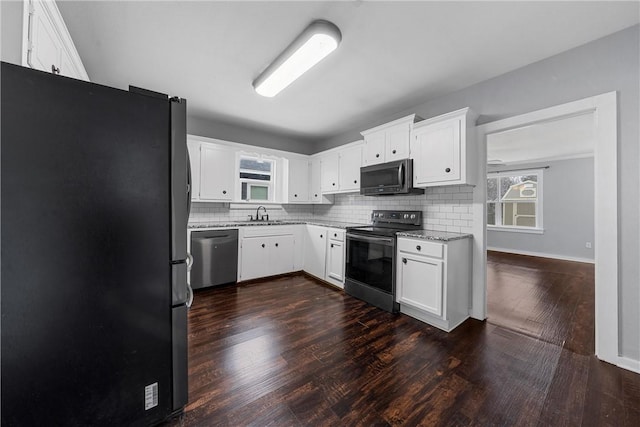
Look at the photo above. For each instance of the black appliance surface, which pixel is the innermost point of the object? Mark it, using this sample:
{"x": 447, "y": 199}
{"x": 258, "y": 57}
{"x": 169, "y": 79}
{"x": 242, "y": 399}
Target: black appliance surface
{"x": 376, "y": 231}
{"x": 215, "y": 257}
{"x": 388, "y": 178}
{"x": 371, "y": 257}
{"x": 93, "y": 242}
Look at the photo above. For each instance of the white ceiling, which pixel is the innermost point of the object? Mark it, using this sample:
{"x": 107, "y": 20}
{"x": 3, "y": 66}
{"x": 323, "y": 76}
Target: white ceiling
{"x": 393, "y": 55}
{"x": 567, "y": 138}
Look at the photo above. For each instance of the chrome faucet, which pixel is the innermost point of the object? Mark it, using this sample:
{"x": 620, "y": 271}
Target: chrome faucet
{"x": 258, "y": 218}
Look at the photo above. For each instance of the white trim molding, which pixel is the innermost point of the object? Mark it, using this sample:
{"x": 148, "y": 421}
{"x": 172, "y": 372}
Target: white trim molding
{"x": 604, "y": 111}
{"x": 512, "y": 229}
{"x": 629, "y": 364}
{"x": 542, "y": 255}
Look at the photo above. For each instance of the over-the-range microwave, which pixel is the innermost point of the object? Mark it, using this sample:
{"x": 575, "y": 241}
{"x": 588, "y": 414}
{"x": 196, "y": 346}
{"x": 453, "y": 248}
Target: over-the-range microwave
{"x": 388, "y": 178}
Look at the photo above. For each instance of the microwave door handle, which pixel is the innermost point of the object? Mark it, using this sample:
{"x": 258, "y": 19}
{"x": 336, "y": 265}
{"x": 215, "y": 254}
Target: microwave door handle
{"x": 401, "y": 175}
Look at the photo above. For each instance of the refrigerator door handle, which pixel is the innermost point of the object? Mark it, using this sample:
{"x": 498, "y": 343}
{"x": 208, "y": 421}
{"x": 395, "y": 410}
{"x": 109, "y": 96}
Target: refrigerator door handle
{"x": 189, "y": 185}
{"x": 189, "y": 295}
{"x": 189, "y": 261}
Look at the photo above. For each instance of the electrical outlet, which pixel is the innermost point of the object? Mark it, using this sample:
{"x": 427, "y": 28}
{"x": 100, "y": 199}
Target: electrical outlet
{"x": 588, "y": 245}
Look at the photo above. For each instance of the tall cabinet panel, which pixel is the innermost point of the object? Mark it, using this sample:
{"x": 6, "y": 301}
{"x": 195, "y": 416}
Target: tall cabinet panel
{"x": 298, "y": 181}
{"x": 349, "y": 164}
{"x": 194, "y": 161}
{"x": 315, "y": 250}
{"x": 329, "y": 167}
{"x": 217, "y": 172}
{"x": 49, "y": 45}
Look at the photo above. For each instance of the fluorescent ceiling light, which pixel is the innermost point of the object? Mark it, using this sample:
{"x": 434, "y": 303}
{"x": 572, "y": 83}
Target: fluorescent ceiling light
{"x": 318, "y": 40}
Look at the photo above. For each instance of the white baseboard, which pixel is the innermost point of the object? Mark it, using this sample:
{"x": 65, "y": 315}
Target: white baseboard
{"x": 629, "y": 364}
{"x": 542, "y": 255}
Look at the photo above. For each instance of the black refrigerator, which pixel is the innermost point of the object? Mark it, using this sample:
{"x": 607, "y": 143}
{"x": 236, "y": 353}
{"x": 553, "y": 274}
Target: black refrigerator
{"x": 94, "y": 210}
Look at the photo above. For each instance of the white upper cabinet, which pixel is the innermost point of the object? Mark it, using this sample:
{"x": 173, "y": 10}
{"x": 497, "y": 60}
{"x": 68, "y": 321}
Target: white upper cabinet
{"x": 443, "y": 150}
{"x": 349, "y": 164}
{"x": 217, "y": 173}
{"x": 49, "y": 46}
{"x": 374, "y": 148}
{"x": 315, "y": 187}
{"x": 388, "y": 142}
{"x": 193, "y": 148}
{"x": 329, "y": 166}
{"x": 299, "y": 173}
{"x": 340, "y": 169}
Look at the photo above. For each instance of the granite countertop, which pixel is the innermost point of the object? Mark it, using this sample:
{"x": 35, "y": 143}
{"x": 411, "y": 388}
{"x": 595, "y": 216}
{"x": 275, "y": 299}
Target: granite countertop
{"x": 223, "y": 224}
{"x": 442, "y": 236}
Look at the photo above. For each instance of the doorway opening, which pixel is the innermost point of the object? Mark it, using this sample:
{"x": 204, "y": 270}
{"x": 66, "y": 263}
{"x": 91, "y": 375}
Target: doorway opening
{"x": 540, "y": 230}
{"x": 602, "y": 109}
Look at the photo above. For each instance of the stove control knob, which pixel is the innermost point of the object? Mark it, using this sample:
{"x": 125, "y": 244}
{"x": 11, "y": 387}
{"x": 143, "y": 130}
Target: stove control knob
{"x": 406, "y": 216}
{"x": 413, "y": 216}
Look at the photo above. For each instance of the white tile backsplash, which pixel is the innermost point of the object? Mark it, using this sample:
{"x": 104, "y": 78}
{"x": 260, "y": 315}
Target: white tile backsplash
{"x": 443, "y": 209}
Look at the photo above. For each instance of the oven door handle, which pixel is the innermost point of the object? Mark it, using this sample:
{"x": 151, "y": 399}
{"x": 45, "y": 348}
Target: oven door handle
{"x": 381, "y": 240}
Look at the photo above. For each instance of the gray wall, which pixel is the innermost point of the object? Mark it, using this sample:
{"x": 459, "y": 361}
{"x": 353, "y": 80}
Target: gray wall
{"x": 11, "y": 24}
{"x": 604, "y": 65}
{"x": 244, "y": 135}
{"x": 568, "y": 209}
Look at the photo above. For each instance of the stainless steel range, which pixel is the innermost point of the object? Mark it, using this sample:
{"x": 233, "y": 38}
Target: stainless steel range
{"x": 371, "y": 257}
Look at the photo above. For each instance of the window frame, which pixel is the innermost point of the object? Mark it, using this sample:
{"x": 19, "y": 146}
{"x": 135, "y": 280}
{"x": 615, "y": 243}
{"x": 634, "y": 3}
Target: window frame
{"x": 539, "y": 228}
{"x": 270, "y": 184}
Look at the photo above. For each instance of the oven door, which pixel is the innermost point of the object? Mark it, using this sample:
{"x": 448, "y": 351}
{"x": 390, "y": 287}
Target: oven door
{"x": 370, "y": 261}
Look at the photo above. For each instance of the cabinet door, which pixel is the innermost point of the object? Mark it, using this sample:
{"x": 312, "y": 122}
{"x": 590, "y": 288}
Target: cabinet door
{"x": 298, "y": 181}
{"x": 437, "y": 152}
{"x": 46, "y": 44}
{"x": 420, "y": 283}
{"x": 280, "y": 254}
{"x": 349, "y": 164}
{"x": 255, "y": 260}
{"x": 335, "y": 261}
{"x": 315, "y": 187}
{"x": 329, "y": 166}
{"x": 315, "y": 250}
{"x": 374, "y": 151}
{"x": 217, "y": 173}
{"x": 50, "y": 45}
{"x": 194, "y": 159}
{"x": 397, "y": 146}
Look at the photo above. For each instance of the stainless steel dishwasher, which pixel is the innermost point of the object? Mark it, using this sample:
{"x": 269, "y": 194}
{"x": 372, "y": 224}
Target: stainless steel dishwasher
{"x": 215, "y": 258}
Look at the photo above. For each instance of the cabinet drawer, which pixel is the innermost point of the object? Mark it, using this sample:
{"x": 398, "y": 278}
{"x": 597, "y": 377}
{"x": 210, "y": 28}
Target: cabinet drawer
{"x": 267, "y": 230}
{"x": 421, "y": 247}
{"x": 335, "y": 234}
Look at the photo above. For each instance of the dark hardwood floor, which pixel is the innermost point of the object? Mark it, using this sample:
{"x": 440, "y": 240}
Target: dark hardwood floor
{"x": 549, "y": 299}
{"x": 293, "y": 352}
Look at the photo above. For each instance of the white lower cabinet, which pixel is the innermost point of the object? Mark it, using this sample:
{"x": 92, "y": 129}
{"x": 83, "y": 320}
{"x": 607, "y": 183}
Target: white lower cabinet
{"x": 324, "y": 254}
{"x": 334, "y": 273}
{"x": 421, "y": 279}
{"x": 315, "y": 250}
{"x": 434, "y": 280}
{"x": 267, "y": 251}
